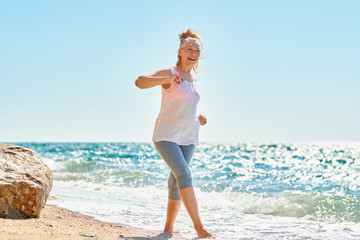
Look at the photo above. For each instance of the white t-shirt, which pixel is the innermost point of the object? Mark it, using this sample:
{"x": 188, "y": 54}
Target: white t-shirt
{"x": 177, "y": 121}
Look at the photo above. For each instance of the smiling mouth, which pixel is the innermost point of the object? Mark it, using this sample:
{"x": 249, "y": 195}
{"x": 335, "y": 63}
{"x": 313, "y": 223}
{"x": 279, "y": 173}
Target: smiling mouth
{"x": 191, "y": 59}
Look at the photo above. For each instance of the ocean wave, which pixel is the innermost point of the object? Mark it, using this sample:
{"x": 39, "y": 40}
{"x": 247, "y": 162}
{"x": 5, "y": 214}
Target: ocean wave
{"x": 311, "y": 206}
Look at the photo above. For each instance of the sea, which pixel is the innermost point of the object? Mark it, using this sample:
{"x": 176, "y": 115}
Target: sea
{"x": 296, "y": 190}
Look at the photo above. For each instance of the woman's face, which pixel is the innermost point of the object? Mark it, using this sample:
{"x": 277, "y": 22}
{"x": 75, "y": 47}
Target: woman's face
{"x": 190, "y": 53}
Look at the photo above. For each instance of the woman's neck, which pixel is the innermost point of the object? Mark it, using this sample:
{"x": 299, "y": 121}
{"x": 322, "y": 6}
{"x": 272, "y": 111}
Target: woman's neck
{"x": 182, "y": 68}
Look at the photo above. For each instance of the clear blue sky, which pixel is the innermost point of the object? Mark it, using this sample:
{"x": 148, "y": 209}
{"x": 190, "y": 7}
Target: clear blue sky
{"x": 277, "y": 70}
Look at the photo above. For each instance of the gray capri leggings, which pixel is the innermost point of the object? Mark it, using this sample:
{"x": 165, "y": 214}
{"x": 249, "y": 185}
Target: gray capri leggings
{"x": 178, "y": 158}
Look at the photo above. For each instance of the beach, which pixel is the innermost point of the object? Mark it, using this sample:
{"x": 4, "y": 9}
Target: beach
{"x": 57, "y": 223}
{"x": 244, "y": 191}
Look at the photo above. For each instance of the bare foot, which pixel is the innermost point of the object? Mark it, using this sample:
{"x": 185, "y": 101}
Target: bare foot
{"x": 203, "y": 233}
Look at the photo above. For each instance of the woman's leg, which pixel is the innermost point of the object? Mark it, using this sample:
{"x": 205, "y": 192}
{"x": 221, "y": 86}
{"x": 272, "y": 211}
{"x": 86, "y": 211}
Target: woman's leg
{"x": 189, "y": 199}
{"x": 187, "y": 152}
{"x": 173, "y": 208}
{"x": 172, "y": 154}
{"x": 174, "y": 205}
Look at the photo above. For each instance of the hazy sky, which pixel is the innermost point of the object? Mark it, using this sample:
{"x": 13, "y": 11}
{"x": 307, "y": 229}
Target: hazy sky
{"x": 277, "y": 70}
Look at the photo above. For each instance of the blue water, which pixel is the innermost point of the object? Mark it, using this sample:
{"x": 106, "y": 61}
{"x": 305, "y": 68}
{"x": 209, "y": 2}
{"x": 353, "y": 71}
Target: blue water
{"x": 244, "y": 190}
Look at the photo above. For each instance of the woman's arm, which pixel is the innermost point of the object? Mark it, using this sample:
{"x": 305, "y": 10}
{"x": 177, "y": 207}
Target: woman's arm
{"x": 162, "y": 77}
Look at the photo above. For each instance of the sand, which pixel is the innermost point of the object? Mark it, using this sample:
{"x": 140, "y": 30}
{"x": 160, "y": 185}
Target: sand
{"x": 57, "y": 223}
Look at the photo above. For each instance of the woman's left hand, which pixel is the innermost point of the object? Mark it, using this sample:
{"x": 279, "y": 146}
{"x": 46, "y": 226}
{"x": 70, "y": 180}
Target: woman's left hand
{"x": 202, "y": 119}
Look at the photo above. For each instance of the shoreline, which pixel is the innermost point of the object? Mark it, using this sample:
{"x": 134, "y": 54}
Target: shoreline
{"x": 57, "y": 223}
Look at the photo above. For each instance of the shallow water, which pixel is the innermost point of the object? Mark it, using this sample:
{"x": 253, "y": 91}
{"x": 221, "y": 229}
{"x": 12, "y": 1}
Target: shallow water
{"x": 244, "y": 190}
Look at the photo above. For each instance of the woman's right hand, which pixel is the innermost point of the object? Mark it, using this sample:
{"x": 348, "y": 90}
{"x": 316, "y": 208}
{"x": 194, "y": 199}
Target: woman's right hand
{"x": 176, "y": 79}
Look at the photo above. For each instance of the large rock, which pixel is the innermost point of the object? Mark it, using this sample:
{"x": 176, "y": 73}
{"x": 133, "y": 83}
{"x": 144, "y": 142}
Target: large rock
{"x": 25, "y": 182}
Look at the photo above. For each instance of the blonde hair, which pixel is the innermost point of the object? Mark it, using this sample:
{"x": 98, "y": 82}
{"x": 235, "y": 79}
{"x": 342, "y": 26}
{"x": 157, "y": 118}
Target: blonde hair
{"x": 186, "y": 37}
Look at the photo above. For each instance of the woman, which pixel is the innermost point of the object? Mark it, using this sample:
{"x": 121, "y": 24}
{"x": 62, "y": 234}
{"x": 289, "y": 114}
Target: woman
{"x": 177, "y": 127}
